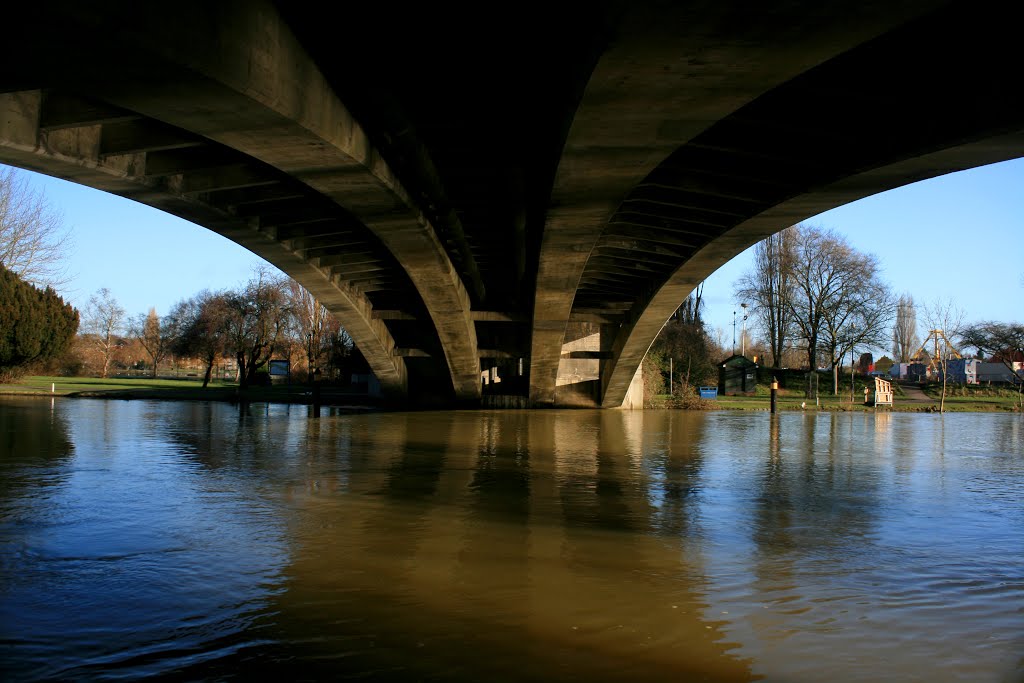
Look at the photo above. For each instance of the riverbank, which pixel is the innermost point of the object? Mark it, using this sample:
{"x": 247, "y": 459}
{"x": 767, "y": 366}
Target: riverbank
{"x": 182, "y": 390}
{"x": 908, "y": 399}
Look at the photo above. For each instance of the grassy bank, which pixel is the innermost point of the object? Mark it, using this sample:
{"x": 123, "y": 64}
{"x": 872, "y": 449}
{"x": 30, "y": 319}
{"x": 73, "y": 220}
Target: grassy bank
{"x": 962, "y": 399}
{"x": 173, "y": 389}
{"x": 965, "y": 399}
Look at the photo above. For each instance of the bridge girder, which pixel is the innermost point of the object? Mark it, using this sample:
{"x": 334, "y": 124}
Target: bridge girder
{"x": 73, "y": 153}
{"x": 599, "y": 175}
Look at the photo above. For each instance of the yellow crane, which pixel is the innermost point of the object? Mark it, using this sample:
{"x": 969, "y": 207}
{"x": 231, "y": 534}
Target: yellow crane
{"x": 933, "y": 359}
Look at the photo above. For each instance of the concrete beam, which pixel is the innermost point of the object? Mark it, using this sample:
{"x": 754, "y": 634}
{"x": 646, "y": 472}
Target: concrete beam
{"x": 73, "y": 154}
{"x": 411, "y": 353}
{"x": 134, "y": 136}
{"x": 60, "y": 110}
{"x": 178, "y": 161}
{"x": 381, "y": 314}
{"x": 342, "y": 261}
{"x": 221, "y": 178}
{"x": 254, "y": 89}
{"x": 501, "y": 353}
{"x": 680, "y": 98}
{"x": 498, "y": 317}
{"x": 637, "y": 333}
{"x": 579, "y": 316}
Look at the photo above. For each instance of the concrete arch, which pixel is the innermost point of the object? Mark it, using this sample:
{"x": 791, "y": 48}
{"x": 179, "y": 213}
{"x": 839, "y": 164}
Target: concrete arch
{"x": 636, "y": 336}
{"x": 762, "y": 172}
{"x": 74, "y": 154}
{"x": 253, "y": 88}
{"x": 699, "y": 130}
{"x": 668, "y": 94}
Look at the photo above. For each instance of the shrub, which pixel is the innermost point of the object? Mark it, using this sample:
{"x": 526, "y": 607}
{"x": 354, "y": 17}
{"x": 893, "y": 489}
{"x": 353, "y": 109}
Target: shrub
{"x": 35, "y": 325}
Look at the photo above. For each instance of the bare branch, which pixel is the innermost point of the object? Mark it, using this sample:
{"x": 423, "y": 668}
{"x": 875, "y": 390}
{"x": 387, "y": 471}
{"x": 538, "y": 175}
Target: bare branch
{"x": 33, "y": 241}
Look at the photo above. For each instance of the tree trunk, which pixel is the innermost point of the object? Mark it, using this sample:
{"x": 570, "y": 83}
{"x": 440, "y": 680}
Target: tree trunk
{"x": 812, "y": 374}
{"x": 243, "y": 375}
{"x": 209, "y": 371}
{"x": 942, "y": 400}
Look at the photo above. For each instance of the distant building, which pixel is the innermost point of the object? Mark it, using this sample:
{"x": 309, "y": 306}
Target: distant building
{"x": 961, "y": 371}
{"x": 899, "y": 370}
{"x": 918, "y": 372}
{"x": 866, "y": 363}
{"x": 998, "y": 373}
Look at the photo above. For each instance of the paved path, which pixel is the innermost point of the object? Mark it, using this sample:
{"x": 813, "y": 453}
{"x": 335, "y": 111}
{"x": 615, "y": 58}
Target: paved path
{"x": 911, "y": 394}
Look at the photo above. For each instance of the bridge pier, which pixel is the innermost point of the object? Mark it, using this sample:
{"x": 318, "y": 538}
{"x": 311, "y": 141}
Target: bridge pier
{"x": 583, "y": 364}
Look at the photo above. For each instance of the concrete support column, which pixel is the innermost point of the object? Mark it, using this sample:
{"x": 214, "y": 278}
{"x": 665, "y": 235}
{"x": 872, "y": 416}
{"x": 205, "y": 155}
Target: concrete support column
{"x": 634, "y": 399}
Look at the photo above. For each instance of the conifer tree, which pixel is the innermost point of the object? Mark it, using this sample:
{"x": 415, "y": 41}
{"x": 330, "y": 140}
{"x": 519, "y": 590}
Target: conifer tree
{"x": 35, "y": 325}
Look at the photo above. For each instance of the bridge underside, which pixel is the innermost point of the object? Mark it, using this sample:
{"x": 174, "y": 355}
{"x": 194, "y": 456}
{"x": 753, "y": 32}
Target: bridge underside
{"x": 471, "y": 198}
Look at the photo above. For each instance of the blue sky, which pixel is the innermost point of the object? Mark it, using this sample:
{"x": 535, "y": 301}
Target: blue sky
{"x": 954, "y": 237}
{"x": 957, "y": 237}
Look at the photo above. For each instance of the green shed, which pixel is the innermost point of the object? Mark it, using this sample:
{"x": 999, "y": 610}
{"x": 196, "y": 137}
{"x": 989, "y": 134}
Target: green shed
{"x": 737, "y": 375}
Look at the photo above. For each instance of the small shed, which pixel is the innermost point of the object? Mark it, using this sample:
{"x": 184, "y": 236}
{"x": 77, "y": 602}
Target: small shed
{"x": 737, "y": 375}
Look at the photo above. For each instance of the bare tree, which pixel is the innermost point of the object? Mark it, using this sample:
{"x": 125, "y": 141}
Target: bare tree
{"x": 198, "y": 328}
{"x": 946, "y": 323}
{"x": 33, "y": 241}
{"x": 103, "y": 321}
{"x": 256, "y": 323}
{"x": 312, "y": 323}
{"x": 838, "y": 299}
{"x": 859, "y": 315}
{"x": 769, "y": 289}
{"x": 1003, "y": 343}
{"x": 691, "y": 311}
{"x": 153, "y": 334}
{"x": 904, "y": 331}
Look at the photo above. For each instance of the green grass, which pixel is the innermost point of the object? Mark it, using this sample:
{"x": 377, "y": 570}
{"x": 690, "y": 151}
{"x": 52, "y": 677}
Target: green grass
{"x": 980, "y": 401}
{"x": 967, "y": 399}
{"x": 63, "y": 386}
{"x": 792, "y": 400}
{"x": 167, "y": 389}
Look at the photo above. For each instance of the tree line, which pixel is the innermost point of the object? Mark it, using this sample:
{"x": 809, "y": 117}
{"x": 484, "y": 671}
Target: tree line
{"x": 814, "y": 302}
{"x": 814, "y": 295}
{"x": 269, "y": 317}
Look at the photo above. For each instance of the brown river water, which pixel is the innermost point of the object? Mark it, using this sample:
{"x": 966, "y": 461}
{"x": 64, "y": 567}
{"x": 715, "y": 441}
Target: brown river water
{"x": 195, "y": 541}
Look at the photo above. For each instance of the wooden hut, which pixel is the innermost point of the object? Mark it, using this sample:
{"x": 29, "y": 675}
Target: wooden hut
{"x": 737, "y": 375}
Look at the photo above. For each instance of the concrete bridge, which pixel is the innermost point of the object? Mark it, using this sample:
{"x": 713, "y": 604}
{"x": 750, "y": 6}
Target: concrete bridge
{"x": 476, "y": 191}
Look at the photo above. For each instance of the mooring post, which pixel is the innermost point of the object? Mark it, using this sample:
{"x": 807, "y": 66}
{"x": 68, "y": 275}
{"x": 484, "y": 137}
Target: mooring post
{"x": 775, "y": 391}
{"x": 316, "y": 393}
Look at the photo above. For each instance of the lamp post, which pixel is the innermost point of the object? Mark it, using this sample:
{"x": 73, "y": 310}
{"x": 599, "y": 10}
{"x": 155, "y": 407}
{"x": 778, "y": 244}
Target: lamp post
{"x": 743, "y": 334}
{"x": 734, "y": 332}
{"x": 851, "y": 373}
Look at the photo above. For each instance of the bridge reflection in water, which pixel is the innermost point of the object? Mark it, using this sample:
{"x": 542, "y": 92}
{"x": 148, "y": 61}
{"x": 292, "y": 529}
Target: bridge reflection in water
{"x": 201, "y": 541}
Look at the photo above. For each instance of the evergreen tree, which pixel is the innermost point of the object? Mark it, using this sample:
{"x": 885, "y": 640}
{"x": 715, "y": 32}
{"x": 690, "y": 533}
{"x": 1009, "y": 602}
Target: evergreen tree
{"x": 35, "y": 324}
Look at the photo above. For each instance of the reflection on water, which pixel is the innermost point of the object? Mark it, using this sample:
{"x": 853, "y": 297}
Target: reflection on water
{"x": 205, "y": 541}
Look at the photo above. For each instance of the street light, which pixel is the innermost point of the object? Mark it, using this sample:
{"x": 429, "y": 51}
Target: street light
{"x": 851, "y": 373}
{"x": 743, "y": 334}
{"x": 734, "y": 332}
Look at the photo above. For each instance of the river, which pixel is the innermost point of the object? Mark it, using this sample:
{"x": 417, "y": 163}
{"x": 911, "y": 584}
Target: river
{"x": 188, "y": 541}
